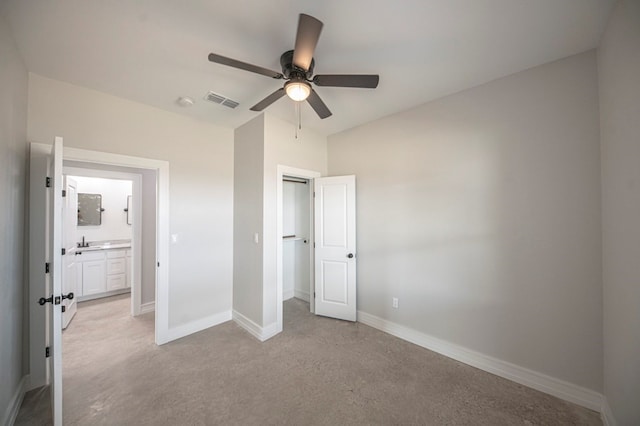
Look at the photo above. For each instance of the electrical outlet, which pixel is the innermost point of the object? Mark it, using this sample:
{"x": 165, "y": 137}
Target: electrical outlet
{"x": 394, "y": 302}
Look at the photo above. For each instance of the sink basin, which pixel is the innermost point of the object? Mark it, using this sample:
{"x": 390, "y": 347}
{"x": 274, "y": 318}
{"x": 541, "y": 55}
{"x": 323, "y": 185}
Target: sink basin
{"x": 101, "y": 245}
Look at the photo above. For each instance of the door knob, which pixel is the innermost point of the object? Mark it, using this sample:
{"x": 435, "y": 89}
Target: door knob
{"x": 42, "y": 300}
{"x": 68, "y": 296}
{"x": 350, "y": 255}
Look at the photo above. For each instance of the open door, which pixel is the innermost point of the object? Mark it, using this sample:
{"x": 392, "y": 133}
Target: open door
{"x": 69, "y": 238}
{"x": 54, "y": 283}
{"x": 335, "y": 244}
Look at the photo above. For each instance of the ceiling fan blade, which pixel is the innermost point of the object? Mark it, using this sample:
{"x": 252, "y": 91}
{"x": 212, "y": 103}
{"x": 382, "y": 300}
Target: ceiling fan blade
{"x": 268, "y": 100}
{"x": 318, "y": 106}
{"x": 309, "y": 29}
{"x": 366, "y": 81}
{"x": 243, "y": 66}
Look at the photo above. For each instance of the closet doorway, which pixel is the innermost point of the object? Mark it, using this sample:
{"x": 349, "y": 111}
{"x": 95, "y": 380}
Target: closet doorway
{"x": 296, "y": 238}
{"x": 294, "y": 251}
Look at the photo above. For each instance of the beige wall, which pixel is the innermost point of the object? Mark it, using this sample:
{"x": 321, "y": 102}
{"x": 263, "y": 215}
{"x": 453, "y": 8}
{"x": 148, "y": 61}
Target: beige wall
{"x": 480, "y": 212}
{"x": 13, "y": 150}
{"x": 247, "y": 221}
{"x": 260, "y": 146}
{"x": 200, "y": 159}
{"x": 619, "y": 72}
{"x": 308, "y": 152}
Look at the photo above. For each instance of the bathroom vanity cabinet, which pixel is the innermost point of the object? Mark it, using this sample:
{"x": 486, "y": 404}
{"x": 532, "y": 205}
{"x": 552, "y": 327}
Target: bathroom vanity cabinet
{"x": 103, "y": 272}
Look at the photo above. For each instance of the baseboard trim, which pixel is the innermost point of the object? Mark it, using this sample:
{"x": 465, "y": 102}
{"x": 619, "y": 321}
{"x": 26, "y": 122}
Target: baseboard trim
{"x": 195, "y": 326}
{"x": 105, "y": 294}
{"x": 303, "y": 295}
{"x": 547, "y": 384}
{"x": 606, "y": 414}
{"x": 13, "y": 408}
{"x": 288, "y": 295}
{"x": 260, "y": 333}
{"x": 147, "y": 307}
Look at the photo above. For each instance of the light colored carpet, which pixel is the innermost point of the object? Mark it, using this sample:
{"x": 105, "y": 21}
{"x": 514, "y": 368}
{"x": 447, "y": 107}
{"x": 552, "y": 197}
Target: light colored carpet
{"x": 319, "y": 371}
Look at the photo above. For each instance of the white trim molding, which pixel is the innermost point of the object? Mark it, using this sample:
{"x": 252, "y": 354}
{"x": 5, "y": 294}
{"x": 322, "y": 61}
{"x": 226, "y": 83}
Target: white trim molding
{"x": 197, "y": 325}
{"x": 260, "y": 333}
{"x": 547, "y": 384}
{"x": 283, "y": 170}
{"x": 147, "y": 307}
{"x": 13, "y": 408}
{"x": 161, "y": 167}
{"x": 606, "y": 414}
{"x": 301, "y": 294}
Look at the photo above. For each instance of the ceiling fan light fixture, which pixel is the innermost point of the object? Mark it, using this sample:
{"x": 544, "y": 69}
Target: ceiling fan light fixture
{"x": 298, "y": 90}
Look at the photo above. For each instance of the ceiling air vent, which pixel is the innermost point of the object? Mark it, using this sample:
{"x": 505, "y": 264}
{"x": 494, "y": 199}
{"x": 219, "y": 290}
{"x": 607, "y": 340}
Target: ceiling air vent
{"x": 219, "y": 99}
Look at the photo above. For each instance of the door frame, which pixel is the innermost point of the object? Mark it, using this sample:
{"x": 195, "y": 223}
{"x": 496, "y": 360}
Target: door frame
{"x": 303, "y": 174}
{"x": 37, "y": 361}
{"x": 136, "y": 226}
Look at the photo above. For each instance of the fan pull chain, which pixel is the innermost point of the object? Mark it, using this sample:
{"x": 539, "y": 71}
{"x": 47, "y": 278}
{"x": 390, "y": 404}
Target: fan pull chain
{"x": 299, "y": 117}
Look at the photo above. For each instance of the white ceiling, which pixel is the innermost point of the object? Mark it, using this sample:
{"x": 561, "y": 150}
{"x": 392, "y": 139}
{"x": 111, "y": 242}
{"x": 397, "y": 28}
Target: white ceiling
{"x": 153, "y": 51}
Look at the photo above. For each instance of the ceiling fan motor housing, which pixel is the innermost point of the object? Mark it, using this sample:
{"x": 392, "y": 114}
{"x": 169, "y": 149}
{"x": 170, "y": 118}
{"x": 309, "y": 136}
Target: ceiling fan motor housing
{"x": 291, "y": 71}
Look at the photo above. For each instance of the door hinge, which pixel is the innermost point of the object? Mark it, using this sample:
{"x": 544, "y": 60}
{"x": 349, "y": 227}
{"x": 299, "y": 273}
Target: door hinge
{"x": 48, "y": 182}
{"x": 64, "y": 251}
{"x": 314, "y": 244}
{"x": 64, "y": 309}
{"x": 64, "y": 192}
{"x": 47, "y": 352}
{"x": 314, "y": 294}
{"x": 47, "y": 267}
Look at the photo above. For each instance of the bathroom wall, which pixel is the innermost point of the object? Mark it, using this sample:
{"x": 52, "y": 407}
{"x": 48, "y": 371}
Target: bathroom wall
{"x": 114, "y": 200}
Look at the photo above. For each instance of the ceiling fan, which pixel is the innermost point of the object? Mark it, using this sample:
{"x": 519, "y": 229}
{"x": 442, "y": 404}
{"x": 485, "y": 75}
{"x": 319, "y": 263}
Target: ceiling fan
{"x": 297, "y": 70}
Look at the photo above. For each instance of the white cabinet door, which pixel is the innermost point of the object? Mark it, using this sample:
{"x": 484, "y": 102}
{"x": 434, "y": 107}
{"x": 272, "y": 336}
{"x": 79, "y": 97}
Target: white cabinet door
{"x": 93, "y": 277}
{"x": 335, "y": 236}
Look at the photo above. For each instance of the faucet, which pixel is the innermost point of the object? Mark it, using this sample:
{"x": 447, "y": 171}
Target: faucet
{"x": 83, "y": 244}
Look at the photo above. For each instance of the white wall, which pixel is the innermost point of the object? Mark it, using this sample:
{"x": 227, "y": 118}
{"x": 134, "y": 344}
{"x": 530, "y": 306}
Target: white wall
{"x": 288, "y": 245}
{"x": 200, "y": 159}
{"x": 619, "y": 72}
{"x": 481, "y": 213}
{"x": 296, "y": 252}
{"x": 13, "y": 149}
{"x": 114, "y": 200}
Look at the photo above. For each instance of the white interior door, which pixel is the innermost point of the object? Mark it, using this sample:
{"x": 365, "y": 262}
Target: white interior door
{"x": 335, "y": 244}
{"x": 69, "y": 238}
{"x": 54, "y": 317}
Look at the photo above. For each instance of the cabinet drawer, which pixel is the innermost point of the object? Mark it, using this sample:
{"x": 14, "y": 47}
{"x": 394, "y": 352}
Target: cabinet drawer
{"x": 116, "y": 266}
{"x": 115, "y": 282}
{"x": 113, "y": 254}
{"x": 85, "y": 256}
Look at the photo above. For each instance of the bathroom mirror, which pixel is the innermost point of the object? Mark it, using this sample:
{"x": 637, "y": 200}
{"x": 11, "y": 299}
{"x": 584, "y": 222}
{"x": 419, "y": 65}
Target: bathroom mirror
{"x": 128, "y": 210}
{"x": 89, "y": 209}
